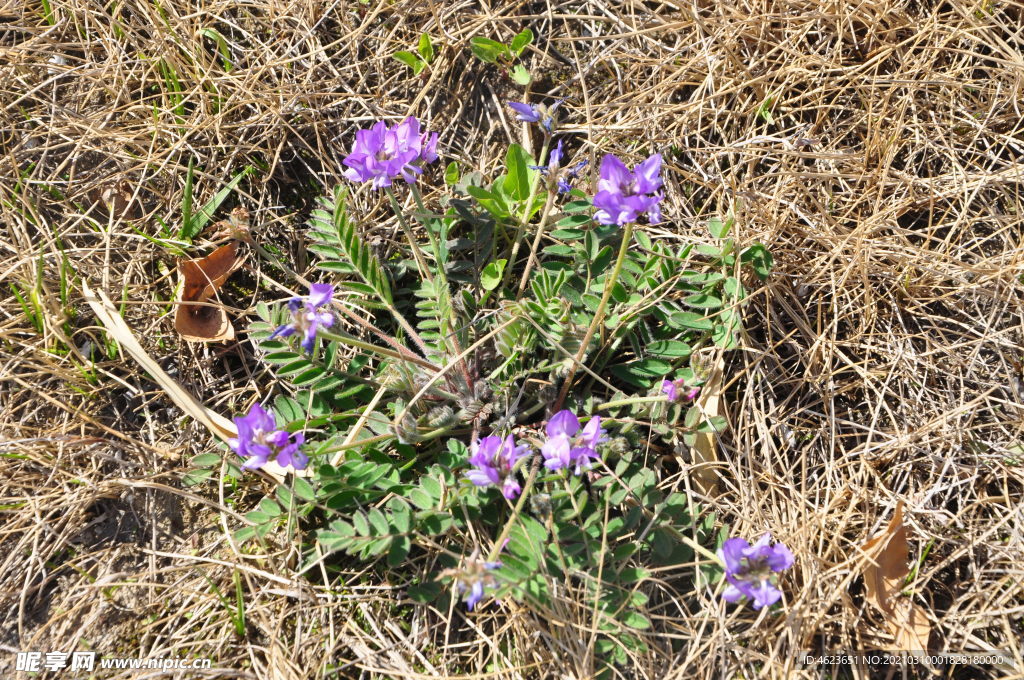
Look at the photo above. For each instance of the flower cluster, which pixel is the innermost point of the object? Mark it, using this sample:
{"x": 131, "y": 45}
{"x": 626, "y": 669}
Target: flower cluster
{"x": 624, "y": 195}
{"x": 751, "y": 569}
{"x": 259, "y": 440}
{"x": 495, "y": 460}
{"x": 553, "y": 167}
{"x": 564, "y": 449}
{"x": 677, "y": 390}
{"x": 384, "y": 154}
{"x": 306, "y": 319}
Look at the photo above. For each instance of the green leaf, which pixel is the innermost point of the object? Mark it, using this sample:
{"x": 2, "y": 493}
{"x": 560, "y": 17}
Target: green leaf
{"x": 426, "y": 48}
{"x": 401, "y": 514}
{"x": 399, "y": 550}
{"x": 206, "y": 460}
{"x": 432, "y": 487}
{"x": 486, "y": 49}
{"x": 517, "y": 184}
{"x": 703, "y": 301}
{"x": 522, "y": 39}
{"x": 760, "y": 260}
{"x": 713, "y": 425}
{"x": 693, "y": 320}
{"x": 330, "y": 225}
{"x": 203, "y": 216}
{"x": 718, "y": 228}
{"x": 520, "y": 75}
{"x": 643, "y": 372}
{"x": 360, "y": 523}
{"x": 379, "y": 522}
{"x": 669, "y": 349}
{"x": 490, "y": 277}
{"x": 410, "y": 60}
{"x": 451, "y": 174}
{"x": 304, "y": 489}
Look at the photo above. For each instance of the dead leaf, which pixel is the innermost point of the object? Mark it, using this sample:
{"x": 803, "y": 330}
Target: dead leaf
{"x": 116, "y": 199}
{"x": 236, "y": 226}
{"x": 884, "y": 576}
{"x": 704, "y": 450}
{"x": 202, "y": 278}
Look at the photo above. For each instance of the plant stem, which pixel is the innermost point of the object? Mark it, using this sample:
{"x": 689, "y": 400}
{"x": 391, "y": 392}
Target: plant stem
{"x": 536, "y": 241}
{"x": 346, "y": 339}
{"x": 631, "y": 400}
{"x": 609, "y": 284}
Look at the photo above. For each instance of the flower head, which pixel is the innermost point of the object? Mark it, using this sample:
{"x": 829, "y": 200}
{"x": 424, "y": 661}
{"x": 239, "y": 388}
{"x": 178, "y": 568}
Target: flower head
{"x": 677, "y": 390}
{"x": 568, "y": 446}
{"x": 624, "y": 195}
{"x": 383, "y": 154}
{"x": 306, "y": 319}
{"x": 259, "y": 440}
{"x": 530, "y": 113}
{"x": 473, "y": 577}
{"x": 751, "y": 569}
{"x": 495, "y": 460}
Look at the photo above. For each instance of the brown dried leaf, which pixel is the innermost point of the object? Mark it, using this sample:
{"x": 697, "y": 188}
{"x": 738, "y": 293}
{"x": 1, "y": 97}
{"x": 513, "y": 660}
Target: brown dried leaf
{"x": 201, "y": 278}
{"x": 705, "y": 449}
{"x": 884, "y": 577}
{"x": 236, "y": 226}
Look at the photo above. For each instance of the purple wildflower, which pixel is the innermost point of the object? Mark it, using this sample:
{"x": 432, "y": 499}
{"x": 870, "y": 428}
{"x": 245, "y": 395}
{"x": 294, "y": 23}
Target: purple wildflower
{"x": 674, "y": 390}
{"x": 383, "y": 154}
{"x": 554, "y": 160}
{"x": 750, "y": 569}
{"x": 495, "y": 460}
{"x": 259, "y": 440}
{"x": 473, "y": 577}
{"x": 624, "y": 195}
{"x": 564, "y": 448}
{"x": 305, "y": 318}
{"x": 564, "y": 184}
{"x": 529, "y": 113}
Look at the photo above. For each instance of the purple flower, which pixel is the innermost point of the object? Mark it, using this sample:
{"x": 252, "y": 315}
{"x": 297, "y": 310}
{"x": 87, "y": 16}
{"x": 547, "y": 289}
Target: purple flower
{"x": 305, "y": 318}
{"x": 750, "y": 569}
{"x": 554, "y": 159}
{"x": 495, "y": 460}
{"x": 259, "y": 440}
{"x": 564, "y": 184}
{"x": 474, "y": 577}
{"x": 383, "y": 154}
{"x": 565, "y": 448}
{"x": 674, "y": 390}
{"x": 622, "y": 195}
{"x": 528, "y": 113}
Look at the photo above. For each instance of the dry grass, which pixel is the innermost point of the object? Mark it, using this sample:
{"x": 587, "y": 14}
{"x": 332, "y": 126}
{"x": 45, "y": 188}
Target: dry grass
{"x": 877, "y": 365}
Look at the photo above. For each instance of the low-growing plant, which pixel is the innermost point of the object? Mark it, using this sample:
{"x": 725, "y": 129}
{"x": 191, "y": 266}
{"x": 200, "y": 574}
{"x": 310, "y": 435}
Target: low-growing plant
{"x": 505, "y": 414}
{"x": 506, "y": 55}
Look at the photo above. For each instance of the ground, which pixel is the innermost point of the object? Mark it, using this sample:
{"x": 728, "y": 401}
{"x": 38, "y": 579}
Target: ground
{"x": 876, "y": 149}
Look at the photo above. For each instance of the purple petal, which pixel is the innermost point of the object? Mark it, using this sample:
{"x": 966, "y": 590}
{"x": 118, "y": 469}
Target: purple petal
{"x": 320, "y": 294}
{"x": 731, "y": 552}
{"x": 563, "y": 423}
{"x": 668, "y": 387}
{"x": 647, "y": 174}
{"x": 482, "y": 477}
{"x": 615, "y": 176}
{"x": 765, "y": 595}
{"x": 527, "y": 113}
{"x": 476, "y": 593}
{"x": 732, "y": 594}
{"x": 557, "y": 452}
